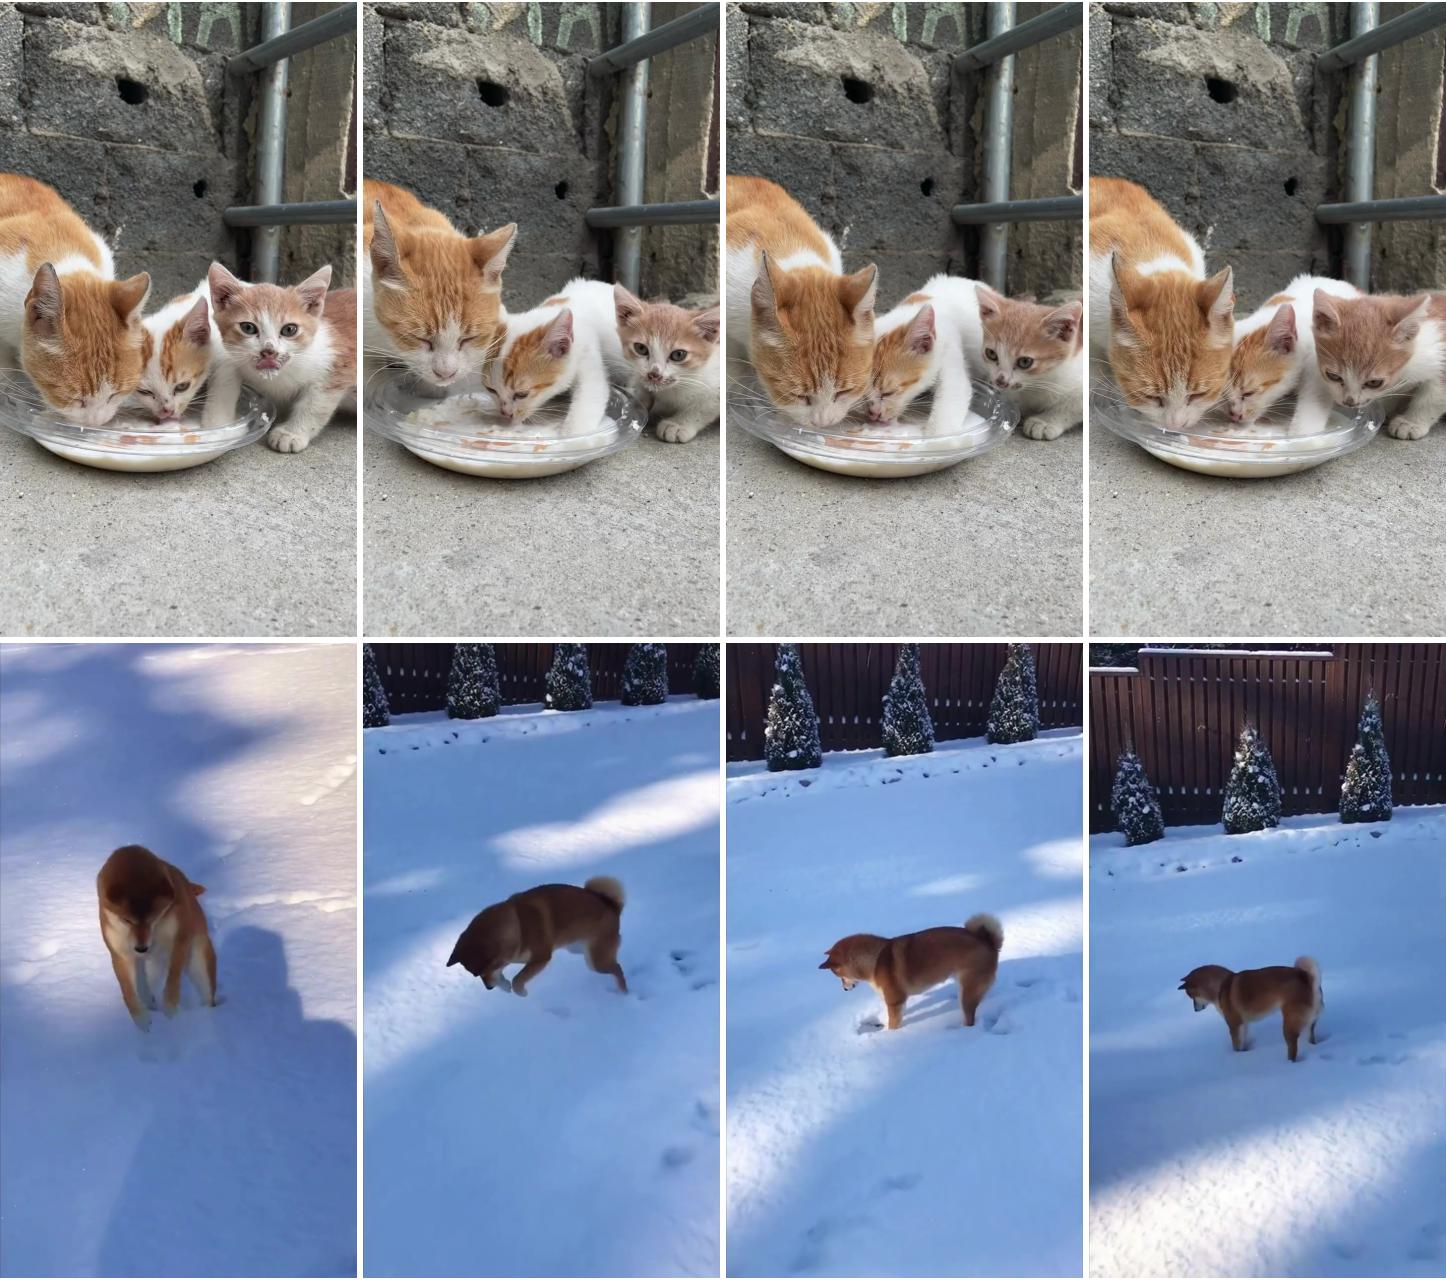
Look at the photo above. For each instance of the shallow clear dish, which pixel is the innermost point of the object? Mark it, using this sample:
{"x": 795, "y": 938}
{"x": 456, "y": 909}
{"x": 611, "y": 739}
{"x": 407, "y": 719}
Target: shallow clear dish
{"x": 1255, "y": 451}
{"x": 132, "y": 441}
{"x": 462, "y": 431}
{"x": 893, "y": 451}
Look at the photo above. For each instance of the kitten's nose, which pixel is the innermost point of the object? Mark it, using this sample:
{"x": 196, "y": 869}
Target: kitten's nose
{"x": 1351, "y": 402}
{"x": 444, "y": 370}
{"x": 655, "y": 375}
{"x": 1236, "y": 415}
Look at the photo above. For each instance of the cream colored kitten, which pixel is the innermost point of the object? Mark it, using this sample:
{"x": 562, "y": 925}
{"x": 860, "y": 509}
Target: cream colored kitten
{"x": 674, "y": 357}
{"x": 182, "y": 346}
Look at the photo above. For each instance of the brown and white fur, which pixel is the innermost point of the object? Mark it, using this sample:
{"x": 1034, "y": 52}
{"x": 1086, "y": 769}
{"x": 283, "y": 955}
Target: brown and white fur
{"x": 182, "y": 346}
{"x": 1385, "y": 345}
{"x": 65, "y": 320}
{"x": 673, "y": 355}
{"x": 155, "y": 930}
{"x": 806, "y": 328}
{"x": 529, "y": 926}
{"x": 1163, "y": 330}
{"x": 296, "y": 346}
{"x": 913, "y": 962}
{"x": 1252, "y": 994}
{"x": 431, "y": 297}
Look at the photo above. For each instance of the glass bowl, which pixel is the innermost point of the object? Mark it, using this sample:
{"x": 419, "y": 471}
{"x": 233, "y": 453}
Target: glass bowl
{"x": 893, "y": 451}
{"x": 1254, "y": 451}
{"x": 131, "y": 441}
{"x": 463, "y": 432}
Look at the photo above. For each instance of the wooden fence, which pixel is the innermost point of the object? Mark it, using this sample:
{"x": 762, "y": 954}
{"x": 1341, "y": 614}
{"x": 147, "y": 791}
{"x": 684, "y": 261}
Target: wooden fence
{"x": 1183, "y": 711}
{"x": 848, "y": 683}
{"x": 415, "y": 675}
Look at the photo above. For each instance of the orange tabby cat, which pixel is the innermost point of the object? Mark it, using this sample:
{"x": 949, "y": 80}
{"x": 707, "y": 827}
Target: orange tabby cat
{"x": 1166, "y": 331}
{"x": 75, "y": 329}
{"x": 430, "y": 296}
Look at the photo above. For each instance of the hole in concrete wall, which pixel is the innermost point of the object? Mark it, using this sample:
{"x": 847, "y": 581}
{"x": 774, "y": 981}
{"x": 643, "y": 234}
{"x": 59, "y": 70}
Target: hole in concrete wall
{"x": 1292, "y": 185}
{"x": 857, "y": 90}
{"x": 1221, "y": 90}
{"x": 927, "y": 186}
{"x": 560, "y": 191}
{"x": 131, "y": 91}
{"x": 494, "y": 95}
{"x": 199, "y": 188}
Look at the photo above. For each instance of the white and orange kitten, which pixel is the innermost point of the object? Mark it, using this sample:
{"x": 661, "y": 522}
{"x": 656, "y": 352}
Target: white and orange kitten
{"x": 296, "y": 346}
{"x": 181, "y": 348}
{"x": 673, "y": 354}
{"x": 1034, "y": 354}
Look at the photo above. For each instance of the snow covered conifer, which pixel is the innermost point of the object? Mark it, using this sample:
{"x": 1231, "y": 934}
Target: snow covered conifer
{"x": 1252, "y": 796}
{"x": 1014, "y": 713}
{"x": 645, "y": 675}
{"x": 1135, "y": 803}
{"x": 790, "y": 734}
{"x": 472, "y": 690}
{"x": 375, "y": 711}
{"x": 908, "y": 729}
{"x": 569, "y": 679}
{"x": 707, "y": 676}
{"x": 1366, "y": 791}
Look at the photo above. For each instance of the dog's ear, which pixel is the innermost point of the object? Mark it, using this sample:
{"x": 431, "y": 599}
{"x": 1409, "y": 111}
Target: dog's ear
{"x": 827, "y": 964}
{"x": 453, "y": 959}
{"x": 1181, "y": 987}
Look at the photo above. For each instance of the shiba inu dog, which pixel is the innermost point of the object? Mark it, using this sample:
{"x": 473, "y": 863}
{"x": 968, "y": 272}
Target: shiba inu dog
{"x": 530, "y": 926}
{"x": 153, "y": 925}
{"x": 913, "y": 962}
{"x": 1251, "y": 994}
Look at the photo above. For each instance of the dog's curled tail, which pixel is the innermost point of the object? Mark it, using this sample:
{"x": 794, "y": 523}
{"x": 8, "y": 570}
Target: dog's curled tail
{"x": 607, "y": 889}
{"x": 987, "y": 929}
{"x": 1308, "y": 966}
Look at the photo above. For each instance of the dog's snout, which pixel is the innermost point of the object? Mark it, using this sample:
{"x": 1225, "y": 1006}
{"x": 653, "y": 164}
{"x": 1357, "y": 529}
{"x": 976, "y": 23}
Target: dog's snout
{"x": 142, "y": 949}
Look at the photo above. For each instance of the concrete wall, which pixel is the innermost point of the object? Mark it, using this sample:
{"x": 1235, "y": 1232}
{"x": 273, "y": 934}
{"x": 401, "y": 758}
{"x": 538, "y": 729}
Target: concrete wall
{"x": 856, "y": 110}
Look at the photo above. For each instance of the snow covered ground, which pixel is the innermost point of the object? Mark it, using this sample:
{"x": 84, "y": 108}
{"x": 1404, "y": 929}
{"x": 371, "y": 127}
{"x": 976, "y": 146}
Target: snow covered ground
{"x": 933, "y": 1150}
{"x": 573, "y": 1132}
{"x": 222, "y": 1142}
{"x": 1209, "y": 1162}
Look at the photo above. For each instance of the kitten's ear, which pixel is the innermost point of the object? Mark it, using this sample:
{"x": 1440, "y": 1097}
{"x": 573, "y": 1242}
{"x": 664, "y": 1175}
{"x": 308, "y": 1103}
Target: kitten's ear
{"x": 385, "y": 255}
{"x": 43, "y": 303}
{"x": 764, "y": 299}
{"x": 919, "y": 340}
{"x": 312, "y": 291}
{"x": 225, "y": 288}
{"x": 1406, "y": 315}
{"x": 1324, "y": 318}
{"x": 557, "y": 341}
{"x": 1063, "y": 323}
{"x": 490, "y": 252}
{"x": 1124, "y": 282}
{"x": 196, "y": 328}
{"x": 626, "y": 305}
{"x": 857, "y": 294}
{"x": 990, "y": 303}
{"x": 1217, "y": 300}
{"x": 708, "y": 323}
{"x": 1281, "y": 336}
{"x": 129, "y": 296}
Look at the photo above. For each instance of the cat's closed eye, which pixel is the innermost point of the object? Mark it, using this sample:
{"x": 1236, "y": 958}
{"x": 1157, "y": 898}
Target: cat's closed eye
{"x": 1334, "y": 377}
{"x": 1375, "y": 384}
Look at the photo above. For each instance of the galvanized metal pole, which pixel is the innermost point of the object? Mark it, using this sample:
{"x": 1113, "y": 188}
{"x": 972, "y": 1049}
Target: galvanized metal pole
{"x": 270, "y": 143}
{"x": 632, "y": 149}
{"x": 998, "y": 141}
{"x": 1361, "y": 147}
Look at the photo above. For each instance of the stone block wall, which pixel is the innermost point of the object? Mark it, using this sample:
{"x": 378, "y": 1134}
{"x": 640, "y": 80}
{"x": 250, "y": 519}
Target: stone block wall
{"x": 857, "y": 111}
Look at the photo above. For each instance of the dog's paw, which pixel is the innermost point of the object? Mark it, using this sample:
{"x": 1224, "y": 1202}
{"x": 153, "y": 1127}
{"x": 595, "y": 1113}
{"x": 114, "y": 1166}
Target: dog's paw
{"x": 142, "y": 1020}
{"x": 504, "y": 983}
{"x": 517, "y": 989}
{"x": 284, "y": 440}
{"x": 170, "y": 1007}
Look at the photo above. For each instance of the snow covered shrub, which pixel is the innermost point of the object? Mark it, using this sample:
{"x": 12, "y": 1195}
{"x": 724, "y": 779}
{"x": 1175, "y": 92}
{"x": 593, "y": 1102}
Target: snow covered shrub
{"x": 908, "y": 730}
{"x": 645, "y": 675}
{"x": 1252, "y": 796}
{"x": 1366, "y": 791}
{"x": 1135, "y": 803}
{"x": 1014, "y": 713}
{"x": 790, "y": 734}
{"x": 569, "y": 679}
{"x": 472, "y": 685}
{"x": 707, "y": 674}
{"x": 375, "y": 711}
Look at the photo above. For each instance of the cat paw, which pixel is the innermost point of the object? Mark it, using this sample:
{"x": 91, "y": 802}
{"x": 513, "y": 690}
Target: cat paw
{"x": 1403, "y": 428}
{"x": 1043, "y": 428}
{"x": 676, "y": 432}
{"x": 284, "y": 440}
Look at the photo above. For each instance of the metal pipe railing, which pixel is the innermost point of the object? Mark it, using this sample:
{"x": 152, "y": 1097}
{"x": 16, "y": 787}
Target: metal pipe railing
{"x": 1413, "y": 22}
{"x": 679, "y": 213}
{"x": 1051, "y": 22}
{"x": 1361, "y": 146}
{"x": 270, "y": 143}
{"x": 1398, "y": 209}
{"x": 306, "y": 213}
{"x": 1043, "y": 209}
{"x": 632, "y": 146}
{"x": 339, "y": 22}
{"x": 690, "y": 26}
{"x": 998, "y": 144}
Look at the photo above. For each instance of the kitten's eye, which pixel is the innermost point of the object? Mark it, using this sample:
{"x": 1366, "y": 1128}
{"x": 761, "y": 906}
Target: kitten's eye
{"x": 640, "y": 348}
{"x": 846, "y": 394}
{"x": 471, "y": 337}
{"x": 1024, "y": 362}
{"x": 990, "y": 354}
{"x": 808, "y": 399}
{"x": 1159, "y": 401}
{"x": 678, "y": 356}
{"x": 1375, "y": 384}
{"x": 248, "y": 328}
{"x": 426, "y": 342}
{"x": 1334, "y": 377}
{"x": 146, "y": 391}
{"x": 1196, "y": 395}
{"x": 289, "y": 330}
{"x": 182, "y": 386}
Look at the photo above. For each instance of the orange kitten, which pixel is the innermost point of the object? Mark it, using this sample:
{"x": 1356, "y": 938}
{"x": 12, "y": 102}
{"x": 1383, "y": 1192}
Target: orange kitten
{"x": 74, "y": 328}
{"x": 181, "y": 346}
{"x": 1165, "y": 331}
{"x": 806, "y": 328}
{"x": 673, "y": 354}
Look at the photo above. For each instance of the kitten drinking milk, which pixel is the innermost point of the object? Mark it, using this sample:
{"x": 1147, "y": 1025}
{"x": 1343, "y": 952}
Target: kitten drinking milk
{"x": 674, "y": 358}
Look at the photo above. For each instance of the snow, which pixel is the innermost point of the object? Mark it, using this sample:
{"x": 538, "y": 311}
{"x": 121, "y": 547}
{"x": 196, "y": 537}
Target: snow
{"x": 573, "y": 1132}
{"x": 933, "y": 1150}
{"x": 1209, "y": 1162}
{"x": 222, "y": 1142}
